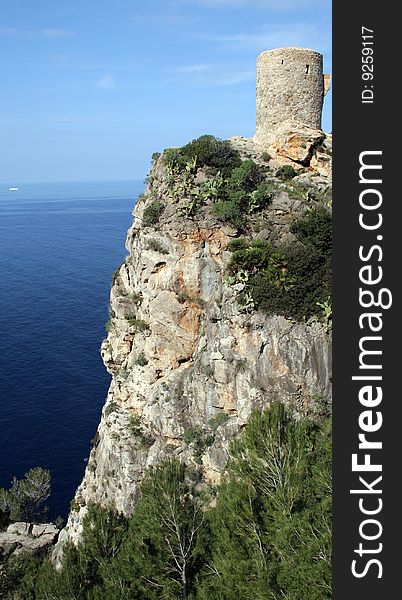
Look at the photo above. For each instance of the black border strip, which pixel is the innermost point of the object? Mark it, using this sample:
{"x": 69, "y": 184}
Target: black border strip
{"x": 366, "y": 127}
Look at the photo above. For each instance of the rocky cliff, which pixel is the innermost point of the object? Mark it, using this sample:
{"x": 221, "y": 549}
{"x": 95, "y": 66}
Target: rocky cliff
{"x": 189, "y": 362}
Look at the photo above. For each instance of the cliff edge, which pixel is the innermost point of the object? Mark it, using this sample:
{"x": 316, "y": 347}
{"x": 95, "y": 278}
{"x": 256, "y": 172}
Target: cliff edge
{"x": 192, "y": 346}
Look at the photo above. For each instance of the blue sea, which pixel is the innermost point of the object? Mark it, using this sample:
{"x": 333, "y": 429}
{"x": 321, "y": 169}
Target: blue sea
{"x": 59, "y": 244}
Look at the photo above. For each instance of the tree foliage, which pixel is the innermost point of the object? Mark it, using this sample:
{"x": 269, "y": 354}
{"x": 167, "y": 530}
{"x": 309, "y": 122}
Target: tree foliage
{"x": 266, "y": 537}
{"x": 272, "y": 522}
{"x": 25, "y": 499}
{"x": 163, "y": 551}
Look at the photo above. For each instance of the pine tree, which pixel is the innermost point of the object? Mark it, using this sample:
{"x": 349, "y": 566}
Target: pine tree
{"x": 164, "y": 549}
{"x": 272, "y": 523}
{"x": 103, "y": 532}
{"x": 25, "y": 500}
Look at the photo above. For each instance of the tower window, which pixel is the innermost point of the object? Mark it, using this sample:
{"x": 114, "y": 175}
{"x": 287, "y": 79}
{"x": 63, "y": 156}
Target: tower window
{"x": 307, "y": 71}
{"x": 282, "y": 61}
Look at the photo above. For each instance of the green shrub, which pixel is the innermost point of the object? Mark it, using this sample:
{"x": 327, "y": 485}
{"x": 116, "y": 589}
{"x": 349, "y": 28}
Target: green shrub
{"x": 192, "y": 434}
{"x": 157, "y": 246}
{"x": 212, "y": 152}
{"x": 229, "y": 211}
{"x": 142, "y": 360}
{"x": 109, "y": 326}
{"x": 245, "y": 177}
{"x": 266, "y": 157}
{"x": 116, "y": 272}
{"x": 305, "y": 282}
{"x": 293, "y": 280}
{"x": 286, "y": 172}
{"x": 137, "y": 324}
{"x": 136, "y": 429}
{"x": 172, "y": 159}
{"x": 238, "y": 244}
{"x": 217, "y": 420}
{"x": 18, "y": 576}
{"x": 251, "y": 256}
{"x": 314, "y": 229}
{"x": 262, "y": 196}
{"x": 244, "y": 190}
{"x": 152, "y": 213}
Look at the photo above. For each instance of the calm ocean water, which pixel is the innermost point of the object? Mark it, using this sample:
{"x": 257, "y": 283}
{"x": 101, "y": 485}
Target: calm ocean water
{"x": 59, "y": 244}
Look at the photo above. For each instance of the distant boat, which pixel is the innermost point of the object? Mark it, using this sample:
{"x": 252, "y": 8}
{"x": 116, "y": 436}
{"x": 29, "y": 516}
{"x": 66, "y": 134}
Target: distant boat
{"x": 13, "y": 189}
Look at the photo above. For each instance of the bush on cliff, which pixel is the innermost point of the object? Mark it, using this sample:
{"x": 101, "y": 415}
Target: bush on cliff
{"x": 229, "y": 211}
{"x": 205, "y": 151}
{"x": 291, "y": 279}
{"x": 314, "y": 230}
{"x": 210, "y": 151}
{"x": 243, "y": 192}
{"x": 152, "y": 213}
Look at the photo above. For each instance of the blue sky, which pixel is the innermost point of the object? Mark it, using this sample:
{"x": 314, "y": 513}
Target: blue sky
{"x": 92, "y": 88}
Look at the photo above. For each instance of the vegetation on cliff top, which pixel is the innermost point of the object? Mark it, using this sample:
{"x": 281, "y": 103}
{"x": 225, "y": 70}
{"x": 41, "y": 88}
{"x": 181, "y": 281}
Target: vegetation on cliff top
{"x": 266, "y": 535}
{"x": 290, "y": 279}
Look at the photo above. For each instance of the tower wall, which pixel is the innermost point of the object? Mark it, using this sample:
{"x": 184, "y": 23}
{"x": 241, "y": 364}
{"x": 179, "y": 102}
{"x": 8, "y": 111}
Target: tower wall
{"x": 290, "y": 89}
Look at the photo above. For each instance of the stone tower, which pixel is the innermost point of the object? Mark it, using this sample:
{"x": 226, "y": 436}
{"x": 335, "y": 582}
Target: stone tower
{"x": 290, "y": 91}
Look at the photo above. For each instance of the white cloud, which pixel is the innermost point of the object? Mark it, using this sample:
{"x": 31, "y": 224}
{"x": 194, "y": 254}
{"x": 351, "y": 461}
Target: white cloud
{"x": 50, "y": 32}
{"x": 57, "y": 33}
{"x": 8, "y": 31}
{"x": 278, "y": 36}
{"x": 107, "y": 82}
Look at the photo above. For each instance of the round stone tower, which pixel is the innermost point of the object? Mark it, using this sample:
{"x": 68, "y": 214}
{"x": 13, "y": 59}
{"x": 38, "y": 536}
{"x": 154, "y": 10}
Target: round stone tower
{"x": 290, "y": 91}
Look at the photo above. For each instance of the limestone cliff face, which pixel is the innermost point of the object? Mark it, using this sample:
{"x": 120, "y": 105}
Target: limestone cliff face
{"x": 189, "y": 363}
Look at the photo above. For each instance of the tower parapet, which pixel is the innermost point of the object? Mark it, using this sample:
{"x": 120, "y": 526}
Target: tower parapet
{"x": 290, "y": 90}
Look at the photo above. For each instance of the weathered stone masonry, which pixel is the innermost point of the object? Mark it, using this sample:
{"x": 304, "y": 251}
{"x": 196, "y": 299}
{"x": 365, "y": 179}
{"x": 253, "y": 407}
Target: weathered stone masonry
{"x": 290, "y": 91}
